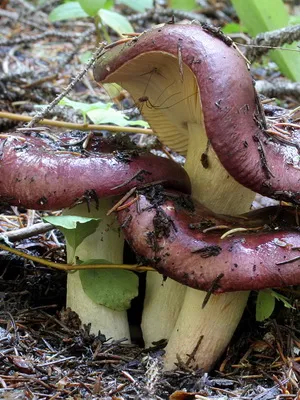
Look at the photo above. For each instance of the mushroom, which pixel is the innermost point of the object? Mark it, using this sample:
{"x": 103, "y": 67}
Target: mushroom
{"x": 195, "y": 90}
{"x": 214, "y": 252}
{"x": 38, "y": 173}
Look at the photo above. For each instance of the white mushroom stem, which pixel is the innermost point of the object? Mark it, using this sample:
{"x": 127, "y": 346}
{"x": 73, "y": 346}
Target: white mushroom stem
{"x": 201, "y": 335}
{"x": 163, "y": 301}
{"x": 106, "y": 243}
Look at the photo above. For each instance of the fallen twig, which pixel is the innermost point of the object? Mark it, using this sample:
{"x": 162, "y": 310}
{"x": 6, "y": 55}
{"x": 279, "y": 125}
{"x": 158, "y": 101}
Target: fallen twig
{"x": 29, "y": 231}
{"x": 40, "y": 115}
{"x": 72, "y": 267}
{"x": 72, "y": 125}
{"x": 264, "y": 42}
{"x": 279, "y": 88}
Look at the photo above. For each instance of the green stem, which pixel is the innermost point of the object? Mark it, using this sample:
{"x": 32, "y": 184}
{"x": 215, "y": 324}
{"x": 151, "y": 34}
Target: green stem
{"x": 101, "y": 30}
{"x": 98, "y": 30}
{"x": 71, "y": 267}
{"x": 72, "y": 125}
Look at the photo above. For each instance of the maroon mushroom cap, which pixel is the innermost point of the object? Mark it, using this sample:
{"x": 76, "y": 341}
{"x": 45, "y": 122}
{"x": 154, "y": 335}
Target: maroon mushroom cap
{"x": 179, "y": 237}
{"x": 41, "y": 174}
{"x": 183, "y": 241}
{"x": 222, "y": 90}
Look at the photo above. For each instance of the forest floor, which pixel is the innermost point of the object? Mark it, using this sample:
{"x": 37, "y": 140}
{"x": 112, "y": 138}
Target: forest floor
{"x": 44, "y": 353}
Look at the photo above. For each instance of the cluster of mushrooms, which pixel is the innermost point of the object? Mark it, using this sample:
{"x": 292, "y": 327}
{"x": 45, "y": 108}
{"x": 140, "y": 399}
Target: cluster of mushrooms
{"x": 192, "y": 224}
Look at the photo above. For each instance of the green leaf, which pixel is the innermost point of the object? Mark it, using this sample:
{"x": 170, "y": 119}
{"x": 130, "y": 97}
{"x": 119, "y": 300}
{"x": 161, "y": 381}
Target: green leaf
{"x": 265, "y": 304}
{"x": 69, "y": 10}
{"x": 138, "y": 122}
{"x": 294, "y": 20}
{"x": 115, "y": 21}
{"x": 84, "y": 107}
{"x": 262, "y": 16}
{"x": 139, "y": 6}
{"x": 233, "y": 28}
{"x": 281, "y": 298}
{"x": 186, "y": 5}
{"x": 113, "y": 288}
{"x": 102, "y": 113}
{"x": 85, "y": 57}
{"x": 111, "y": 116}
{"x": 74, "y": 228}
{"x": 91, "y": 7}
{"x": 109, "y": 4}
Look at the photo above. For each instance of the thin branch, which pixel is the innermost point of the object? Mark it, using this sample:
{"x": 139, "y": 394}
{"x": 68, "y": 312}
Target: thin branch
{"x": 24, "y": 233}
{"x": 70, "y": 267}
{"x": 72, "y": 125}
{"x": 156, "y": 13}
{"x": 35, "y": 38}
{"x": 50, "y": 4}
{"x": 8, "y": 14}
{"x": 40, "y": 115}
{"x": 78, "y": 44}
{"x": 279, "y": 89}
{"x": 264, "y": 42}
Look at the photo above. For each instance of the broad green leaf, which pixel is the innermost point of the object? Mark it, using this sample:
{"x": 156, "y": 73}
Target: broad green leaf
{"x": 93, "y": 261}
{"x": 91, "y": 7}
{"x": 69, "y": 10}
{"x": 74, "y": 228}
{"x": 113, "y": 288}
{"x": 85, "y": 57}
{"x": 262, "y": 16}
{"x": 84, "y": 107}
{"x": 139, "y": 6}
{"x": 115, "y": 21}
{"x": 109, "y": 4}
{"x": 294, "y": 20}
{"x": 281, "y": 298}
{"x": 233, "y": 28}
{"x": 112, "y": 116}
{"x": 102, "y": 113}
{"x": 138, "y": 122}
{"x": 186, "y": 5}
{"x": 265, "y": 304}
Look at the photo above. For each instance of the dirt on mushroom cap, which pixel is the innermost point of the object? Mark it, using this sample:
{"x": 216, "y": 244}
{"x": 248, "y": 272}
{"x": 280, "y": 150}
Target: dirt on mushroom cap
{"x": 170, "y": 236}
{"x": 38, "y": 174}
{"x": 234, "y": 122}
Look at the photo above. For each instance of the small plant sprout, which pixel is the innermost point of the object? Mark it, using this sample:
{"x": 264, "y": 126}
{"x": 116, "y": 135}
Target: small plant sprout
{"x": 99, "y": 10}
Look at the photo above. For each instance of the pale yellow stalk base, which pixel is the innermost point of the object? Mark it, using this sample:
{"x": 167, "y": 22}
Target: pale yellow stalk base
{"x": 205, "y": 333}
{"x": 162, "y": 304}
{"x": 106, "y": 243}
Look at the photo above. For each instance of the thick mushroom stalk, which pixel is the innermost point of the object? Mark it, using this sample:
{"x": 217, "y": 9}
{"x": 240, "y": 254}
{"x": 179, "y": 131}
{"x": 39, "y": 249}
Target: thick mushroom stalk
{"x": 106, "y": 243}
{"x": 39, "y": 173}
{"x": 196, "y": 92}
